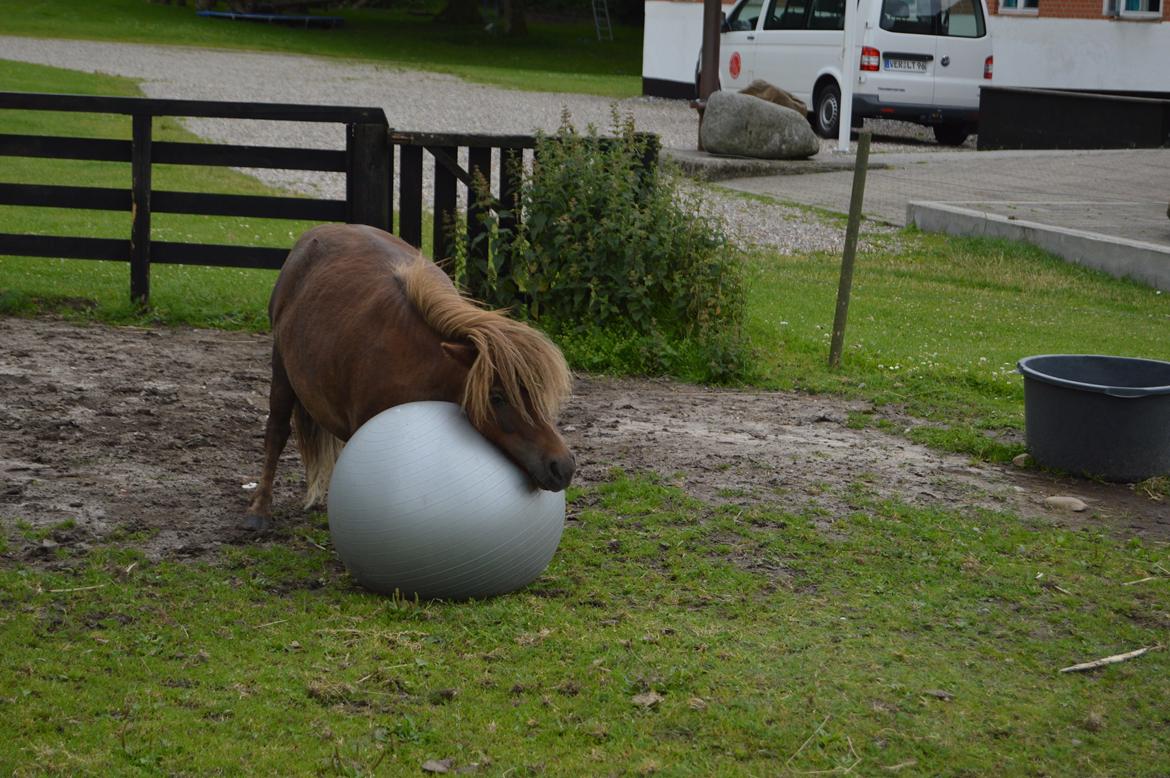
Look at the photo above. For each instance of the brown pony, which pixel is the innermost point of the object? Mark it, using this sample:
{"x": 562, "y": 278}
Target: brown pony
{"x": 361, "y": 321}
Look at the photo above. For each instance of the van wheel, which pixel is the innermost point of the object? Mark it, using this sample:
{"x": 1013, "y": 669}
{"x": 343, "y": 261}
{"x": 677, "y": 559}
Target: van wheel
{"x": 952, "y": 134}
{"x": 827, "y": 111}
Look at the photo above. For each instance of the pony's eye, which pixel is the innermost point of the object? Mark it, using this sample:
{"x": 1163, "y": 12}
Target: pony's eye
{"x": 498, "y": 399}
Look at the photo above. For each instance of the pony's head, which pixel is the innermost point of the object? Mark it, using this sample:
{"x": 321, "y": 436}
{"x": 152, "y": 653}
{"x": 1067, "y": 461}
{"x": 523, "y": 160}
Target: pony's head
{"x": 516, "y": 410}
{"x": 515, "y": 379}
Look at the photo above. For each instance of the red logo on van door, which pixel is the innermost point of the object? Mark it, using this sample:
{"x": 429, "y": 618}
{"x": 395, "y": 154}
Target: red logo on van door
{"x": 734, "y": 66}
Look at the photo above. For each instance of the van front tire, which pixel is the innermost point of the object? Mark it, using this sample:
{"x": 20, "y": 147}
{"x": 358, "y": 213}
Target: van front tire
{"x": 827, "y": 111}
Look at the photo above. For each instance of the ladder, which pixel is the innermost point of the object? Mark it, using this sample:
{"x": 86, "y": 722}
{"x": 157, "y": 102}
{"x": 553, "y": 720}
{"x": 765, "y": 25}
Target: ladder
{"x": 601, "y": 20}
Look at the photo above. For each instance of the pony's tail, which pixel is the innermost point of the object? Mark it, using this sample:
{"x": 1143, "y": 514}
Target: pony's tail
{"x": 319, "y": 451}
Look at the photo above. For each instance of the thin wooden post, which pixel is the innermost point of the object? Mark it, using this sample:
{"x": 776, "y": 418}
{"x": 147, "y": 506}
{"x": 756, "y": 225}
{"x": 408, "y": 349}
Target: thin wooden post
{"x": 709, "y": 67}
{"x": 140, "y": 208}
{"x": 446, "y": 197}
{"x": 845, "y": 286}
{"x": 709, "y": 62}
{"x": 410, "y": 164}
{"x": 367, "y": 183}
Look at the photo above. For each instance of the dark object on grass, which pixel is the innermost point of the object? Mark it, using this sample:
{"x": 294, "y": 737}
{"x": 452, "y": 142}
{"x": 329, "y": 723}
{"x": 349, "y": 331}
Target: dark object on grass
{"x": 290, "y": 20}
{"x": 1098, "y": 416}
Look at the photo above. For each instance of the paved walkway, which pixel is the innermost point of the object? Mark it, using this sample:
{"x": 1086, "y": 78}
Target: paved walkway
{"x": 1106, "y": 209}
{"x": 1118, "y": 193}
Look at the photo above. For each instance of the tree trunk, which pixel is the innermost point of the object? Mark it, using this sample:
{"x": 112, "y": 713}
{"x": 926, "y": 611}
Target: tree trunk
{"x": 460, "y": 12}
{"x": 515, "y": 18}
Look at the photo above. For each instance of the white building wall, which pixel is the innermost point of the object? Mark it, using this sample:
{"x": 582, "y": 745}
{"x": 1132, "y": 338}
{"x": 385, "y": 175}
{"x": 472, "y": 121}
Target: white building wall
{"x": 1090, "y": 54}
{"x": 672, "y": 38}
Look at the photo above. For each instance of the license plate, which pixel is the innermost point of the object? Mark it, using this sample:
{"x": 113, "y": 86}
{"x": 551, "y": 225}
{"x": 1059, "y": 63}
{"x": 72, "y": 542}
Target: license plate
{"x": 906, "y": 65}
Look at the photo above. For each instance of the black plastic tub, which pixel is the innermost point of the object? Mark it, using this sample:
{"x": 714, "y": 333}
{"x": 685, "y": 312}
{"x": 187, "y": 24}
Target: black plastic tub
{"x": 1097, "y": 416}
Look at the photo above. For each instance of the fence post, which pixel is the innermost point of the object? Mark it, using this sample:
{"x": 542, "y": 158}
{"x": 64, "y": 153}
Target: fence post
{"x": 445, "y": 197}
{"x": 367, "y": 182}
{"x": 140, "y": 208}
{"x": 845, "y": 283}
{"x": 410, "y": 192}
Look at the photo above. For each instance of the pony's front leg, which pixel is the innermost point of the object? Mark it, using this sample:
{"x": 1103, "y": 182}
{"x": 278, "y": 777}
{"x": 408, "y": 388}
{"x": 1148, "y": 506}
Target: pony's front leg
{"x": 281, "y": 400}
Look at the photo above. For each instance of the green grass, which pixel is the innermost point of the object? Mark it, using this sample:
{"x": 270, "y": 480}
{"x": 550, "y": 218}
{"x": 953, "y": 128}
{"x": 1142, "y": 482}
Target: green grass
{"x": 667, "y": 636}
{"x": 564, "y": 57}
{"x": 937, "y": 324}
{"x": 921, "y": 639}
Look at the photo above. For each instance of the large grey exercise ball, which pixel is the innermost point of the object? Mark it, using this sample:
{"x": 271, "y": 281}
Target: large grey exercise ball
{"x": 422, "y": 505}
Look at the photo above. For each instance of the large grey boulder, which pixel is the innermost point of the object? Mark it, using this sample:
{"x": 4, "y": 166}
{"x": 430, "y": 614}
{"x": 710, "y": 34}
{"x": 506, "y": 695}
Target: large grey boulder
{"x": 744, "y": 126}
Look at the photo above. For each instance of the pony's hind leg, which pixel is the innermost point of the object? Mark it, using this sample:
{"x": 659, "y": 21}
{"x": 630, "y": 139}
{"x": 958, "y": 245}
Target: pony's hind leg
{"x": 281, "y": 400}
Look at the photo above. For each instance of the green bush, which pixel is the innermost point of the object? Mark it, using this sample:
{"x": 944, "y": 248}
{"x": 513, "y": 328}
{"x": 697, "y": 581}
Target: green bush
{"x": 609, "y": 261}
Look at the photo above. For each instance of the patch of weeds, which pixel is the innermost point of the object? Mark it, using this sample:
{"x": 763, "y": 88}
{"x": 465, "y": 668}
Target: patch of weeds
{"x": 965, "y": 440}
{"x": 860, "y": 420}
{"x": 1156, "y": 488}
{"x": 123, "y": 534}
{"x": 316, "y": 536}
{"x": 330, "y": 692}
{"x": 860, "y": 493}
{"x": 31, "y": 533}
{"x": 406, "y": 729}
{"x": 357, "y": 758}
{"x": 285, "y": 570}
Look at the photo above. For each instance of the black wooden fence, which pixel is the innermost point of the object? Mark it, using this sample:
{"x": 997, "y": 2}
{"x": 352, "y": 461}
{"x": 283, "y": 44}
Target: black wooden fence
{"x": 368, "y": 163}
{"x": 364, "y": 126}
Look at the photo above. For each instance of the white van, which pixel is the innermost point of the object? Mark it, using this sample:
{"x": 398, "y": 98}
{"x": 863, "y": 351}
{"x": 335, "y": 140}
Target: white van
{"x": 920, "y": 61}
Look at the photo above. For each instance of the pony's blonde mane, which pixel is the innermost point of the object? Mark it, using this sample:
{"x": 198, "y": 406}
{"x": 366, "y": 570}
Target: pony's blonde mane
{"x": 522, "y": 359}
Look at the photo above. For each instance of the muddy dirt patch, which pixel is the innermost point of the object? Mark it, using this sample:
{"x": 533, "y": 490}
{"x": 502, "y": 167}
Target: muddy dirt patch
{"x": 152, "y": 437}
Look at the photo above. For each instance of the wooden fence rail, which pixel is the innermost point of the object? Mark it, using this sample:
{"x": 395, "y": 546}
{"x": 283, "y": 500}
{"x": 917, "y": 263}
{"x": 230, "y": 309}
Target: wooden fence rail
{"x": 374, "y": 154}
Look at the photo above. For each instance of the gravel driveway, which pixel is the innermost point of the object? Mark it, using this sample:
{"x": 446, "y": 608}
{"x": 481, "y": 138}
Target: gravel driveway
{"x": 417, "y": 101}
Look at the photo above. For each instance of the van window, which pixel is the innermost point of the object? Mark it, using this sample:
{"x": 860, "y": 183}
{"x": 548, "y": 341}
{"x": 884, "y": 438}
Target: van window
{"x": 744, "y": 18}
{"x": 912, "y": 16}
{"x": 955, "y": 18}
{"x": 786, "y": 15}
{"x": 827, "y": 15}
{"x": 961, "y": 19}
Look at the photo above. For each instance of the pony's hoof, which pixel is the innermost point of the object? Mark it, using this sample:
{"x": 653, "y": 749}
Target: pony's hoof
{"x": 257, "y": 524}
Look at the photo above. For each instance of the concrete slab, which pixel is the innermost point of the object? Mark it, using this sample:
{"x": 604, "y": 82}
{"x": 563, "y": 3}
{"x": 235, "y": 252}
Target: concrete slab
{"x": 712, "y": 167}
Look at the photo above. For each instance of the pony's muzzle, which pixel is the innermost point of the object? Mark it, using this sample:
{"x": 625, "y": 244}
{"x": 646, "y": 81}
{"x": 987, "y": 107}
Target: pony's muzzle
{"x": 558, "y": 473}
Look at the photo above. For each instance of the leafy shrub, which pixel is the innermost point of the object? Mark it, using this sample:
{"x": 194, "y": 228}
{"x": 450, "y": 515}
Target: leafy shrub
{"x": 610, "y": 261}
